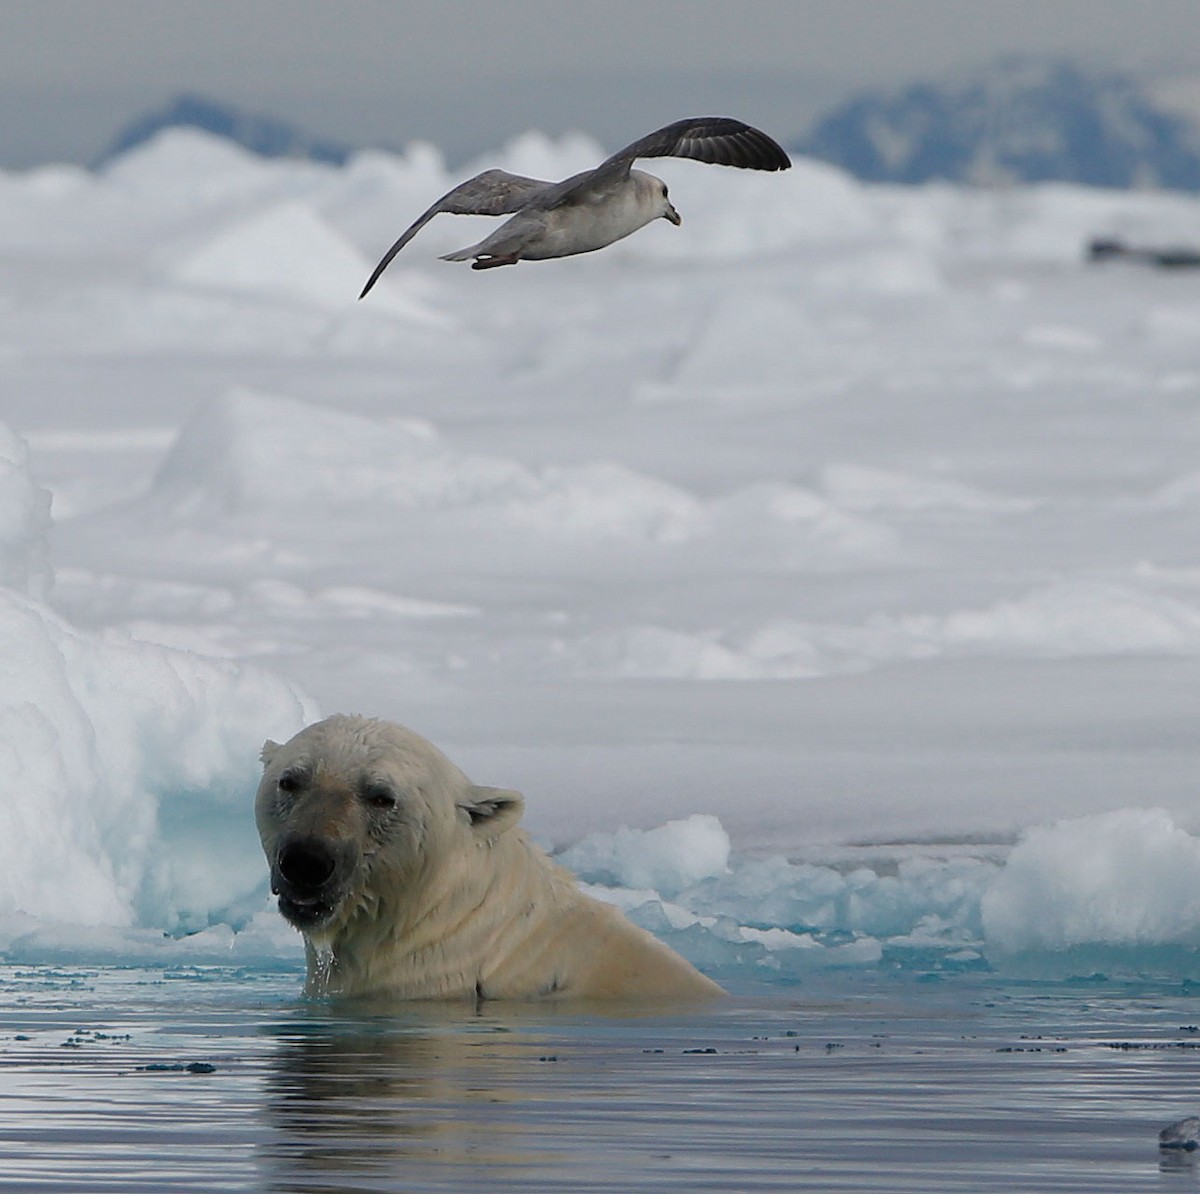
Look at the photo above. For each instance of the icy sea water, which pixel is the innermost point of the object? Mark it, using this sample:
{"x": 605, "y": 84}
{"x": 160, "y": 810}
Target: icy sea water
{"x": 854, "y": 1082}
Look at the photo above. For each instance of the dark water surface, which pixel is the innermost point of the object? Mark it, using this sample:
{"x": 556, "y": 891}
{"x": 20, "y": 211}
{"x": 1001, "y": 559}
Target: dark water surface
{"x": 858, "y": 1082}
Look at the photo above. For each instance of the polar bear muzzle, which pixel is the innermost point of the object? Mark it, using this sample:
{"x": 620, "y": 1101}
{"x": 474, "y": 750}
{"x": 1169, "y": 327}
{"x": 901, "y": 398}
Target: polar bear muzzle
{"x": 311, "y": 875}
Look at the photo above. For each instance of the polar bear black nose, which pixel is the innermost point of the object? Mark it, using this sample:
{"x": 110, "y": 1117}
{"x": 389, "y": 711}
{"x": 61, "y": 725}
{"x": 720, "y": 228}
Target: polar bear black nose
{"x": 306, "y": 863}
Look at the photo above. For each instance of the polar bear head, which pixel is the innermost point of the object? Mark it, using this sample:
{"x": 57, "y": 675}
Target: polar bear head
{"x": 363, "y": 817}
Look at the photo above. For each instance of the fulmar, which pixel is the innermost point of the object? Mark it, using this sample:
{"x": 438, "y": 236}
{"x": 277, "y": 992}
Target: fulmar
{"x": 590, "y": 210}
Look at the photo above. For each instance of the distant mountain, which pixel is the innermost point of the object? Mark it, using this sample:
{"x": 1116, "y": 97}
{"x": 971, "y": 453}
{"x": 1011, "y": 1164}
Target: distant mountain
{"x": 264, "y": 135}
{"x": 1019, "y": 121}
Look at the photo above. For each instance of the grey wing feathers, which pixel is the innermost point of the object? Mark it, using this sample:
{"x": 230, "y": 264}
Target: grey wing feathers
{"x": 715, "y": 139}
{"x": 718, "y": 140}
{"x": 492, "y": 193}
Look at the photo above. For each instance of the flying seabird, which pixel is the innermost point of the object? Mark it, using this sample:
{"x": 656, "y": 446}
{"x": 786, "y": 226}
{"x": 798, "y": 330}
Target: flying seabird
{"x": 590, "y": 210}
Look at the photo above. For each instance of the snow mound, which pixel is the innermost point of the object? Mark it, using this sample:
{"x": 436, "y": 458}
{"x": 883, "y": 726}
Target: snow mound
{"x": 249, "y": 452}
{"x": 290, "y": 252}
{"x": 188, "y": 169}
{"x": 1130, "y": 878}
{"x": 670, "y": 858}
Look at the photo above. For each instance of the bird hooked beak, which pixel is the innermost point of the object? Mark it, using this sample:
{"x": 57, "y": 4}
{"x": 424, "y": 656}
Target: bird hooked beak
{"x": 672, "y": 215}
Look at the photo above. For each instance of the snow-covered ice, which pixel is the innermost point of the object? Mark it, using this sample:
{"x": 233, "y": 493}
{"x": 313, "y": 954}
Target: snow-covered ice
{"x": 824, "y": 571}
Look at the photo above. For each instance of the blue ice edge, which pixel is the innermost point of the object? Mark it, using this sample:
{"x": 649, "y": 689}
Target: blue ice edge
{"x": 840, "y": 952}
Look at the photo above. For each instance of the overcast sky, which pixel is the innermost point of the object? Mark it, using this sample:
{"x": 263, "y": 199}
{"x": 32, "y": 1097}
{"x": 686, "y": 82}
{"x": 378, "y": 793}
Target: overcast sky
{"x": 470, "y": 75}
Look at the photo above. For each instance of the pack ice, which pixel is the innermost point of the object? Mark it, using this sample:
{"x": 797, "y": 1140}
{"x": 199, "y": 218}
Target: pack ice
{"x": 824, "y": 570}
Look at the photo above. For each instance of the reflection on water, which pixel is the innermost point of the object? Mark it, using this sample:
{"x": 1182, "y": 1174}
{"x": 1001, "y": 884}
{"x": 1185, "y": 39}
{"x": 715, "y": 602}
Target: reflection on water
{"x": 868, "y": 1083}
{"x": 344, "y": 1097}
{"x": 1177, "y": 1163}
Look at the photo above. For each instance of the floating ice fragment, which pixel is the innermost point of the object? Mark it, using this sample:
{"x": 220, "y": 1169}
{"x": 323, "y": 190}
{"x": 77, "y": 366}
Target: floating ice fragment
{"x": 1183, "y": 1133}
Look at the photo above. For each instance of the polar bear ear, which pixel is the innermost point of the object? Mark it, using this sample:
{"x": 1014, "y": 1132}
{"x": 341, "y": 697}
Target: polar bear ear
{"x": 492, "y": 811}
{"x": 268, "y": 752}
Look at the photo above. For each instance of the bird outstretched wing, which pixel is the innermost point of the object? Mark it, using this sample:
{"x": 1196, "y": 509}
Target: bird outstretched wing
{"x": 718, "y": 140}
{"x": 492, "y": 193}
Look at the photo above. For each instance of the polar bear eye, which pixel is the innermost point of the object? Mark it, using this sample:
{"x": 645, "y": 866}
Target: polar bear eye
{"x": 380, "y": 796}
{"x": 290, "y": 781}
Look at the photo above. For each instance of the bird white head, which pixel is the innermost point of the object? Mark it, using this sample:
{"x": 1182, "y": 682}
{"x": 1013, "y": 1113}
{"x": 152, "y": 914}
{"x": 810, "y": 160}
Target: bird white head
{"x": 669, "y": 212}
{"x": 652, "y": 198}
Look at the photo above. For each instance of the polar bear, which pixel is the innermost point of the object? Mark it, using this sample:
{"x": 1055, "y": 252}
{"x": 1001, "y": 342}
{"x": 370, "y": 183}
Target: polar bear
{"x": 410, "y": 882}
